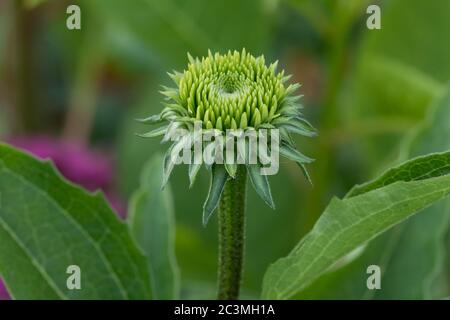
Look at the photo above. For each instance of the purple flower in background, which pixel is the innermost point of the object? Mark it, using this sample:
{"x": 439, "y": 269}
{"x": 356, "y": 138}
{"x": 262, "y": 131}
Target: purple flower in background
{"x": 89, "y": 169}
{"x": 3, "y": 293}
{"x": 78, "y": 164}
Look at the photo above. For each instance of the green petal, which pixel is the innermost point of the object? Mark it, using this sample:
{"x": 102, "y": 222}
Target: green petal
{"x": 266, "y": 126}
{"x": 293, "y": 154}
{"x": 176, "y": 76}
{"x": 264, "y": 113}
{"x": 206, "y": 116}
{"x": 154, "y": 133}
{"x": 299, "y": 127}
{"x": 200, "y": 113}
{"x": 190, "y": 58}
{"x": 171, "y": 128}
{"x": 184, "y": 142}
{"x": 193, "y": 170}
{"x": 261, "y": 184}
{"x": 273, "y": 107}
{"x": 244, "y": 122}
{"x": 286, "y": 137}
{"x": 228, "y": 122}
{"x": 305, "y": 173}
{"x": 170, "y": 94}
{"x": 233, "y": 124}
{"x": 172, "y": 107}
{"x": 151, "y": 120}
{"x": 231, "y": 169}
{"x": 218, "y": 179}
{"x": 219, "y": 123}
{"x": 256, "y": 119}
{"x": 168, "y": 165}
{"x": 281, "y": 120}
{"x": 292, "y": 88}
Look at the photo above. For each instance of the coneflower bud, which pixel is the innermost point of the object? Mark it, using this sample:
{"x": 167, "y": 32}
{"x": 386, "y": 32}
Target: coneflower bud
{"x": 232, "y": 91}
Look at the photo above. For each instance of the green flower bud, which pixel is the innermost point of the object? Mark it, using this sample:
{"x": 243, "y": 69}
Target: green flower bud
{"x": 229, "y": 85}
{"x": 233, "y": 91}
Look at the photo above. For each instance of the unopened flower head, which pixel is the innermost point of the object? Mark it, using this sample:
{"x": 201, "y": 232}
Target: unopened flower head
{"x": 238, "y": 93}
{"x": 229, "y": 91}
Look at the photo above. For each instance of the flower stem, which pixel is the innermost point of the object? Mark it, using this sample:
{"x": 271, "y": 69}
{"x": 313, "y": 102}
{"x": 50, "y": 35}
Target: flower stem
{"x": 231, "y": 235}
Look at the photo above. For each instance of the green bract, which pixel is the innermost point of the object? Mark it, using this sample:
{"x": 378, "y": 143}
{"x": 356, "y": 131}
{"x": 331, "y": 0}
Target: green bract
{"x": 231, "y": 91}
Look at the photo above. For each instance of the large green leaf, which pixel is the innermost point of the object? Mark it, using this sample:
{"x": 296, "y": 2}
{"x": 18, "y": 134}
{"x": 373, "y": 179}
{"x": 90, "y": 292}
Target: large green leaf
{"x": 48, "y": 224}
{"x": 346, "y": 224}
{"x": 421, "y": 239}
{"x": 418, "y": 242}
{"x": 152, "y": 222}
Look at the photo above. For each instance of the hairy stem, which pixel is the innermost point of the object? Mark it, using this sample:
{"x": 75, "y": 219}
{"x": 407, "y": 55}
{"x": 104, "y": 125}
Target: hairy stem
{"x": 231, "y": 235}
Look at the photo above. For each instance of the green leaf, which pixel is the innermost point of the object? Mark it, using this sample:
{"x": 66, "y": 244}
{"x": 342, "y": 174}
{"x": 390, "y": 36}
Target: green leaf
{"x": 261, "y": 184}
{"x": 419, "y": 241}
{"x": 152, "y": 223}
{"x": 428, "y": 166}
{"x": 347, "y": 224}
{"x": 48, "y": 224}
{"x": 218, "y": 179}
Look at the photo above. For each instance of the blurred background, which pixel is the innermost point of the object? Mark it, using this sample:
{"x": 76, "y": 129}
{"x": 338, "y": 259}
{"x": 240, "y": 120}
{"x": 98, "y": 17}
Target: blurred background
{"x": 73, "y": 95}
